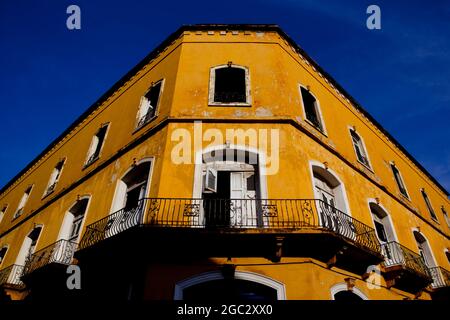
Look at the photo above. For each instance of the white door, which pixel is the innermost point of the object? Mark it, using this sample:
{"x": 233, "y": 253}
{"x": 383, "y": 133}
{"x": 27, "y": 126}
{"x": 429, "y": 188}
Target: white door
{"x": 243, "y": 204}
{"x": 237, "y": 194}
{"x": 328, "y": 214}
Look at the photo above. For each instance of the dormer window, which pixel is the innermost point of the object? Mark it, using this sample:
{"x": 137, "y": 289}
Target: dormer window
{"x": 229, "y": 85}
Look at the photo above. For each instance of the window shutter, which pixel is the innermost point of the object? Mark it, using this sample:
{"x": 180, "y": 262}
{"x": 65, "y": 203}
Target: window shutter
{"x": 211, "y": 180}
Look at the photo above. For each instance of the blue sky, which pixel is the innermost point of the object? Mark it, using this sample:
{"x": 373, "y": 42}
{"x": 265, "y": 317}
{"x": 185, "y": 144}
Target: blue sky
{"x": 50, "y": 75}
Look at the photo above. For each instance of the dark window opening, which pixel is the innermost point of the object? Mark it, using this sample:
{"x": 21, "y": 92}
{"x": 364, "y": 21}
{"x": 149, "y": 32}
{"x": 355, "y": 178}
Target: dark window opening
{"x": 101, "y": 137}
{"x": 399, "y": 180}
{"x": 96, "y": 145}
{"x": 148, "y": 109}
{"x": 229, "y": 85}
{"x": 310, "y": 105}
{"x": 3, "y": 253}
{"x": 359, "y": 148}
{"x": 381, "y": 232}
{"x": 229, "y": 290}
{"x": 429, "y": 206}
{"x": 347, "y": 296}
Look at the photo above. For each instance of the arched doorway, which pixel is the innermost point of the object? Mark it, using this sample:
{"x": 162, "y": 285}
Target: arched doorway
{"x": 347, "y": 296}
{"x": 228, "y": 179}
{"x": 212, "y": 286}
{"x": 424, "y": 249}
{"x": 331, "y": 201}
{"x": 229, "y": 290}
{"x": 73, "y": 220}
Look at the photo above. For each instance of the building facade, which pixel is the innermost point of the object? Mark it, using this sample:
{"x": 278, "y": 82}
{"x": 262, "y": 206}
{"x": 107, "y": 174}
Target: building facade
{"x": 227, "y": 164}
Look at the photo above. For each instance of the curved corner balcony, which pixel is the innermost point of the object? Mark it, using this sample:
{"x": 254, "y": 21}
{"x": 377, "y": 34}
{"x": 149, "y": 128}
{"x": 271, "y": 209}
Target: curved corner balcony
{"x": 57, "y": 254}
{"x": 405, "y": 269}
{"x": 239, "y": 227}
{"x": 10, "y": 277}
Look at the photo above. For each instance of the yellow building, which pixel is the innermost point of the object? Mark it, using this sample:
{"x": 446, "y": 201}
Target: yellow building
{"x": 226, "y": 164}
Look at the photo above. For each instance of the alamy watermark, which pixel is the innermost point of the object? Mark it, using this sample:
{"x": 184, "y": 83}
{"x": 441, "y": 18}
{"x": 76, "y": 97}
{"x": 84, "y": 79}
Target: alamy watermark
{"x": 255, "y": 146}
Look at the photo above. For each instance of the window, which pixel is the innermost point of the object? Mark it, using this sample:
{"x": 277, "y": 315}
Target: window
{"x": 447, "y": 220}
{"x": 311, "y": 107}
{"x": 96, "y": 145}
{"x": 3, "y": 211}
{"x": 360, "y": 150}
{"x": 28, "y": 246}
{"x": 54, "y": 177}
{"x": 424, "y": 249}
{"x": 149, "y": 104}
{"x": 428, "y": 203}
{"x": 76, "y": 214}
{"x": 399, "y": 180}
{"x": 383, "y": 227}
{"x": 229, "y": 85}
{"x": 23, "y": 201}
{"x": 3, "y": 254}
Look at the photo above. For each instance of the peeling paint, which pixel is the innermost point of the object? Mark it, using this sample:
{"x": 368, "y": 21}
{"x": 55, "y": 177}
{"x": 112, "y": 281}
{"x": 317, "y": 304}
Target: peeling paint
{"x": 263, "y": 112}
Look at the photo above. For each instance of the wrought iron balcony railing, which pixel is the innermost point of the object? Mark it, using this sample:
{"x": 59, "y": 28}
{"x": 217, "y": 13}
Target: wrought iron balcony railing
{"x": 233, "y": 214}
{"x": 11, "y": 276}
{"x": 398, "y": 255}
{"x": 60, "y": 252}
{"x": 441, "y": 277}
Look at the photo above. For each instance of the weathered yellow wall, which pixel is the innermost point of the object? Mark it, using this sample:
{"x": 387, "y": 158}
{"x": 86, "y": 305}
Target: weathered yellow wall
{"x": 276, "y": 72}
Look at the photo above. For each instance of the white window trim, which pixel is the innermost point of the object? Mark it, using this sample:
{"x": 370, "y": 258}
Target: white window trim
{"x": 118, "y": 203}
{"x": 443, "y": 211}
{"x": 3, "y": 212}
{"x": 22, "y": 255}
{"x": 369, "y": 165}
{"x": 20, "y": 206}
{"x": 139, "y": 116}
{"x": 391, "y": 222}
{"x": 90, "y": 151}
{"x": 343, "y": 287}
{"x": 392, "y": 163}
{"x": 316, "y": 163}
{"x": 212, "y": 83}
{"x": 62, "y": 234}
{"x": 46, "y": 192}
{"x": 318, "y": 109}
{"x": 239, "y": 275}
{"x": 433, "y": 258}
{"x": 197, "y": 187}
{"x": 425, "y": 194}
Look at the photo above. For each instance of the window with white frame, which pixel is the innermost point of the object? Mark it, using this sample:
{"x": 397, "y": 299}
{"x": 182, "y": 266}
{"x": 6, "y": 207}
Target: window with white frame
{"x": 360, "y": 149}
{"x": 23, "y": 202}
{"x": 149, "y": 104}
{"x": 3, "y": 212}
{"x": 229, "y": 85}
{"x": 428, "y": 203}
{"x": 446, "y": 218}
{"x": 311, "y": 108}
{"x": 54, "y": 177}
{"x": 399, "y": 180}
{"x": 96, "y": 144}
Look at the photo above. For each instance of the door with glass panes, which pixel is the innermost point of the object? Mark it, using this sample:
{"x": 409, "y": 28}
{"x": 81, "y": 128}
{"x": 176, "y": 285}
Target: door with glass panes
{"x": 229, "y": 198}
{"x": 329, "y": 216}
